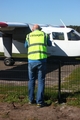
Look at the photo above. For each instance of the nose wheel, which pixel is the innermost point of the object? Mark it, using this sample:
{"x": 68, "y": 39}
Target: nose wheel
{"x": 9, "y": 61}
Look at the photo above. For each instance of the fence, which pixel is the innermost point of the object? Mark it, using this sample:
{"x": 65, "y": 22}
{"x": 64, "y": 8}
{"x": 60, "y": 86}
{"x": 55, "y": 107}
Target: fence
{"x": 62, "y": 77}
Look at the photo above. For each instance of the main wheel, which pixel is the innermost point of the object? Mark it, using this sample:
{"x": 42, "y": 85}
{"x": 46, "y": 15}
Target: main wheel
{"x": 9, "y": 61}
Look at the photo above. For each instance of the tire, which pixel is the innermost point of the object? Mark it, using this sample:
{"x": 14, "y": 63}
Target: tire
{"x": 9, "y": 61}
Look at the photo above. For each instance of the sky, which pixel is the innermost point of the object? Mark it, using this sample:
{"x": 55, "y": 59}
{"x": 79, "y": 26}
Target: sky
{"x": 41, "y": 11}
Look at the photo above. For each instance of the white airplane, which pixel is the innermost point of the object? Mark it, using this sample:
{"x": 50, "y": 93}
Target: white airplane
{"x": 65, "y": 41}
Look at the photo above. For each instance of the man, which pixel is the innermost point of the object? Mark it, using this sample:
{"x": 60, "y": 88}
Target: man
{"x": 37, "y": 42}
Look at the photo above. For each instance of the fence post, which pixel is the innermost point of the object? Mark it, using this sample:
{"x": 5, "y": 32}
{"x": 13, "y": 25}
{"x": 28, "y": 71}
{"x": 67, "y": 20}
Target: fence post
{"x": 59, "y": 83}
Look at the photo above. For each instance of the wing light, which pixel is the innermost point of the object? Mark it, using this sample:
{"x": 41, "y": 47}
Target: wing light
{"x": 3, "y": 24}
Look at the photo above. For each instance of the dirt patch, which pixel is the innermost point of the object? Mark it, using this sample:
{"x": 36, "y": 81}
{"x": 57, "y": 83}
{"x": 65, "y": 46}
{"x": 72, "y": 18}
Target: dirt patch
{"x": 31, "y": 112}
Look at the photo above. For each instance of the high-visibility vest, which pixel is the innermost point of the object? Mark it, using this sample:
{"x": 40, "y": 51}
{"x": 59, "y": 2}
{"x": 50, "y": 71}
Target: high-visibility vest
{"x": 37, "y": 45}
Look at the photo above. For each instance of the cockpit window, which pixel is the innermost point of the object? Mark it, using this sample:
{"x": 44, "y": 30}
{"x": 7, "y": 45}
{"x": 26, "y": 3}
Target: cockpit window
{"x": 73, "y": 36}
{"x": 58, "y": 35}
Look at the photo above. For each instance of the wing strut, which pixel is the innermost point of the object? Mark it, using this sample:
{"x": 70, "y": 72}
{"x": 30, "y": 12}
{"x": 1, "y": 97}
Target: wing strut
{"x": 7, "y": 44}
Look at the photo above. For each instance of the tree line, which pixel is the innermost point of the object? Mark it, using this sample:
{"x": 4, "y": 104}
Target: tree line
{"x": 77, "y": 28}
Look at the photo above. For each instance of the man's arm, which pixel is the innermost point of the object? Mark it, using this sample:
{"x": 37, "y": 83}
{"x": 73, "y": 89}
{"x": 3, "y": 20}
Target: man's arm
{"x": 26, "y": 41}
{"x": 49, "y": 43}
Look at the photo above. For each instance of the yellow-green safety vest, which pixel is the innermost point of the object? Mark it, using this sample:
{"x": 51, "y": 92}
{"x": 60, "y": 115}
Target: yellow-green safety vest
{"x": 37, "y": 45}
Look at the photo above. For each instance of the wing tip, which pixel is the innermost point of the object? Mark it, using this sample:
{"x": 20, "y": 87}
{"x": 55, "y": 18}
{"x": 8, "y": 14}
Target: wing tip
{"x": 3, "y": 24}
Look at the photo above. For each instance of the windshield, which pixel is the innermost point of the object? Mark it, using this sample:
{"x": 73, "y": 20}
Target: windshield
{"x": 72, "y": 35}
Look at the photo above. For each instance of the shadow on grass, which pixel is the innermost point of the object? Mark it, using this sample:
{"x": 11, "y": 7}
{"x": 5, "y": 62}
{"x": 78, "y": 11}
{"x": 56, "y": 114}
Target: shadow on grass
{"x": 70, "y": 97}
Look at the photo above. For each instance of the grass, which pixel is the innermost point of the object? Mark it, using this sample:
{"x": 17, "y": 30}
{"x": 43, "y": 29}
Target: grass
{"x": 9, "y": 93}
{"x": 19, "y": 94}
{"x": 73, "y": 80}
{"x": 72, "y": 88}
{"x": 16, "y": 55}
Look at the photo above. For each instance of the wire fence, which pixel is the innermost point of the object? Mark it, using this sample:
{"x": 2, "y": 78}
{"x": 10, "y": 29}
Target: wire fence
{"x": 62, "y": 77}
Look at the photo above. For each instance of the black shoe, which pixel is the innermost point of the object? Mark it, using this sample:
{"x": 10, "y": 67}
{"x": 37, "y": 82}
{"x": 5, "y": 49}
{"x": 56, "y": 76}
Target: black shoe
{"x": 33, "y": 102}
{"x": 42, "y": 105}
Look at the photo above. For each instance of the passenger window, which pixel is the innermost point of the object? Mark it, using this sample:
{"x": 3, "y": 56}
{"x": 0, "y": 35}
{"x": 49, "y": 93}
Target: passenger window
{"x": 58, "y": 35}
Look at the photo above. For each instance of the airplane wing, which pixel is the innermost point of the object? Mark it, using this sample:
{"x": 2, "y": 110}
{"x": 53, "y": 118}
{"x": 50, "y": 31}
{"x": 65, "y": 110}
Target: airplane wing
{"x": 17, "y": 30}
{"x": 10, "y": 31}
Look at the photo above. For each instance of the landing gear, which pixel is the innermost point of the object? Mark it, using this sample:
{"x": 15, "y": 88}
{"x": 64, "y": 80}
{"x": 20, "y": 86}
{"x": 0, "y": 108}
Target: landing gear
{"x": 7, "y": 44}
{"x": 9, "y": 61}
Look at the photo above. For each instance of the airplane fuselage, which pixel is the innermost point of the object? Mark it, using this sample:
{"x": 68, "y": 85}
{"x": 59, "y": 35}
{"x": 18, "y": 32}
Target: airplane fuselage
{"x": 62, "y": 45}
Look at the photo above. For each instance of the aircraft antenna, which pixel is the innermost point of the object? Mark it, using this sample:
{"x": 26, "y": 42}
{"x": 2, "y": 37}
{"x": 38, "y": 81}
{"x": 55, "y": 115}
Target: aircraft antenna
{"x": 63, "y": 23}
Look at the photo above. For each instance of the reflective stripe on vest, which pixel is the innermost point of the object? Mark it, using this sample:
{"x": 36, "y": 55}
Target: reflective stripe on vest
{"x": 37, "y": 48}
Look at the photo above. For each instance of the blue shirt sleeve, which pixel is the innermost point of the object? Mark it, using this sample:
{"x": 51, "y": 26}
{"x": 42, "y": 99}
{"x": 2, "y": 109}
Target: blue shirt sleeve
{"x": 26, "y": 44}
{"x": 49, "y": 43}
